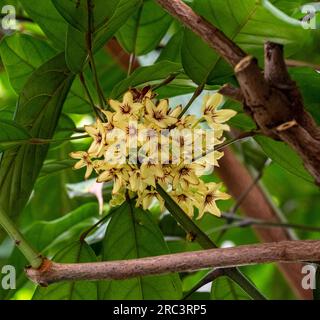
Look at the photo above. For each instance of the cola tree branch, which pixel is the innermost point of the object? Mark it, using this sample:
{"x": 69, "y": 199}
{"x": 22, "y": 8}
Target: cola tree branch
{"x": 287, "y": 251}
{"x": 276, "y": 107}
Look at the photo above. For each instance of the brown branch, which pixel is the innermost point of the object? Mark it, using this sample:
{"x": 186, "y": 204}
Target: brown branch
{"x": 213, "y": 36}
{"x": 287, "y": 251}
{"x": 232, "y": 93}
{"x": 298, "y": 64}
{"x": 278, "y": 112}
{"x": 257, "y": 205}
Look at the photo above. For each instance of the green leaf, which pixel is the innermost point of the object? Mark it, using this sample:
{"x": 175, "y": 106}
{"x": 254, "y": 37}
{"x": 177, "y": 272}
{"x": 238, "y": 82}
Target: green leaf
{"x": 75, "y": 12}
{"x": 144, "y": 31}
{"x": 108, "y": 21}
{"x": 308, "y": 81}
{"x": 132, "y": 234}
{"x": 76, "y": 49}
{"x": 172, "y": 50}
{"x": 144, "y": 75}
{"x": 123, "y": 11}
{"x": 11, "y": 134}
{"x": 38, "y": 111}
{"x": 50, "y": 237}
{"x": 78, "y": 252}
{"x": 21, "y": 54}
{"x": 223, "y": 288}
{"x": 50, "y": 21}
{"x": 282, "y": 154}
{"x": 245, "y": 22}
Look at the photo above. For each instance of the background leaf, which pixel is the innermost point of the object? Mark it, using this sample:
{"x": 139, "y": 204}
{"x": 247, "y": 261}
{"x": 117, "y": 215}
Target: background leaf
{"x": 284, "y": 156}
{"x": 48, "y": 18}
{"x": 249, "y": 25}
{"x": 11, "y": 134}
{"x": 223, "y": 288}
{"x": 80, "y": 290}
{"x": 38, "y": 111}
{"x": 144, "y": 31}
{"x": 133, "y": 234}
{"x": 21, "y": 55}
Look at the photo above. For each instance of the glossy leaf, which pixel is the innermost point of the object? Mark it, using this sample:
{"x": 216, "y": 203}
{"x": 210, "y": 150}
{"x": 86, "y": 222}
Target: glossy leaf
{"x": 75, "y": 12}
{"x": 108, "y": 17}
{"x": 80, "y": 290}
{"x": 249, "y": 25}
{"x": 38, "y": 111}
{"x": 21, "y": 55}
{"x": 144, "y": 31}
{"x": 131, "y": 234}
{"x": 50, "y": 237}
{"x": 223, "y": 288}
{"x": 48, "y": 18}
{"x": 11, "y": 134}
{"x": 284, "y": 156}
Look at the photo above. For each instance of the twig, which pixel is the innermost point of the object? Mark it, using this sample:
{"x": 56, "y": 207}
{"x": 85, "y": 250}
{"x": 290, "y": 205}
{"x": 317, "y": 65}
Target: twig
{"x": 27, "y": 250}
{"x": 95, "y": 109}
{"x": 166, "y": 81}
{"x": 193, "y": 98}
{"x": 89, "y": 38}
{"x": 289, "y": 251}
{"x": 264, "y": 223}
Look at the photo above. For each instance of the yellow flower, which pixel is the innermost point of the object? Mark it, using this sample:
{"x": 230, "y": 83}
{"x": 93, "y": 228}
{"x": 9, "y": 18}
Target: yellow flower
{"x": 185, "y": 201}
{"x": 146, "y": 198}
{"x": 137, "y": 183}
{"x": 119, "y": 176}
{"x": 158, "y": 115}
{"x": 184, "y": 175}
{"x": 212, "y": 115}
{"x": 125, "y": 109}
{"x": 150, "y": 173}
{"x": 97, "y": 132}
{"x": 187, "y": 121}
{"x": 207, "y": 201}
{"x": 85, "y": 161}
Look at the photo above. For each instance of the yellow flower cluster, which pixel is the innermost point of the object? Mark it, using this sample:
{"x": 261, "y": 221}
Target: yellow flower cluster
{"x": 143, "y": 142}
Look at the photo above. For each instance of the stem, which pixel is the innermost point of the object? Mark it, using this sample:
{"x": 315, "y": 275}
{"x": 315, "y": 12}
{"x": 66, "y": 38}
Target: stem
{"x": 46, "y": 141}
{"x": 90, "y": 53}
{"x": 133, "y": 54}
{"x": 27, "y": 250}
{"x": 221, "y": 146}
{"x": 166, "y": 81}
{"x": 95, "y": 109}
{"x": 205, "y": 242}
{"x": 193, "y": 98}
{"x": 264, "y": 223}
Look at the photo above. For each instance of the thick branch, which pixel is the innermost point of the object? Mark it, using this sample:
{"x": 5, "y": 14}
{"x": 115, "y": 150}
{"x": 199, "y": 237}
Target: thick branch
{"x": 289, "y": 251}
{"x": 213, "y": 36}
